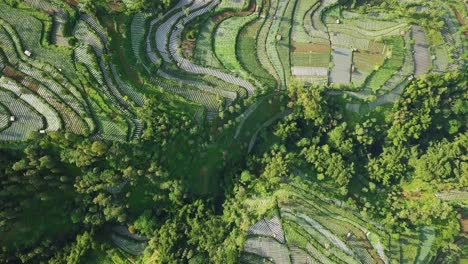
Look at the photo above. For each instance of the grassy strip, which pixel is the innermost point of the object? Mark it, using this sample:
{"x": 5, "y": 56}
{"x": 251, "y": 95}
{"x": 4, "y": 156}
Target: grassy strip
{"x": 203, "y": 53}
{"x": 247, "y": 42}
{"x": 271, "y": 42}
{"x": 283, "y": 45}
{"x": 409, "y": 247}
{"x": 225, "y": 39}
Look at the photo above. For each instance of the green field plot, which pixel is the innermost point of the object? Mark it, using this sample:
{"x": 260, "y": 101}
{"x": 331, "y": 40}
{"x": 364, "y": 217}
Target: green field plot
{"x": 391, "y": 65}
{"x": 233, "y": 4}
{"x": 441, "y": 59}
{"x": 225, "y": 40}
{"x": 203, "y": 53}
{"x": 247, "y": 42}
{"x": 310, "y": 59}
{"x": 310, "y": 55}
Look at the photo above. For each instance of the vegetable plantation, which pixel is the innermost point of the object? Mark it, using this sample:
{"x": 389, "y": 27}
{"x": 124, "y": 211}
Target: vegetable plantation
{"x": 233, "y": 131}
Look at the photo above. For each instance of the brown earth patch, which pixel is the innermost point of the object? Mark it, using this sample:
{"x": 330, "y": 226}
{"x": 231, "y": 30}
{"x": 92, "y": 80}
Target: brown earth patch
{"x": 460, "y": 17}
{"x": 72, "y": 3}
{"x": 31, "y": 84}
{"x": 464, "y": 223}
{"x": 310, "y": 47}
{"x": 226, "y": 14}
{"x": 114, "y": 6}
{"x": 20, "y": 77}
{"x": 376, "y": 47}
{"x": 13, "y": 73}
{"x": 187, "y": 48}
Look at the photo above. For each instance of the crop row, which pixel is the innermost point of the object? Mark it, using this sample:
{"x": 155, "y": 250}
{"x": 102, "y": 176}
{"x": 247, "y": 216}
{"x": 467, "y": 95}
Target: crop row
{"x": 225, "y": 40}
{"x": 247, "y": 43}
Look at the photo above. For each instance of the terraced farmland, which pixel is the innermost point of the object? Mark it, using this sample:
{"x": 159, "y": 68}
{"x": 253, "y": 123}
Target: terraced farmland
{"x": 233, "y": 131}
{"x": 313, "y": 229}
{"x": 241, "y": 47}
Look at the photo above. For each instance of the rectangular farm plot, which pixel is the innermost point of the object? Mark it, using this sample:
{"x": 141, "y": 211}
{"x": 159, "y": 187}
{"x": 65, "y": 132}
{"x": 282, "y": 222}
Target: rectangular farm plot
{"x": 341, "y": 70}
{"x": 310, "y": 62}
{"x": 421, "y": 51}
{"x": 364, "y": 62}
{"x": 348, "y": 41}
{"x": 309, "y": 71}
{"x": 310, "y": 55}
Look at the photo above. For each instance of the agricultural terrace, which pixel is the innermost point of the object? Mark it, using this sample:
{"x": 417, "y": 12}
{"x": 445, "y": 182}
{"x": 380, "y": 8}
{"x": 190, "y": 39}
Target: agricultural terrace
{"x": 309, "y": 227}
{"x": 253, "y": 131}
{"x": 209, "y": 55}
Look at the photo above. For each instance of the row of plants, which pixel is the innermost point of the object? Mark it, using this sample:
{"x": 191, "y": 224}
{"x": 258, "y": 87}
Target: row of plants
{"x": 5, "y": 113}
{"x": 118, "y": 94}
{"x": 203, "y": 53}
{"x": 51, "y": 91}
{"x": 225, "y": 40}
{"x": 88, "y": 66}
{"x": 340, "y": 227}
{"x": 209, "y": 101}
{"x": 358, "y": 33}
{"x": 247, "y": 42}
{"x": 272, "y": 38}
{"x": 51, "y": 116}
{"x": 302, "y": 17}
{"x": 33, "y": 32}
{"x": 316, "y": 239}
{"x": 296, "y": 236}
{"x": 204, "y": 80}
{"x": 137, "y": 34}
{"x": 262, "y": 41}
{"x": 29, "y": 120}
{"x": 14, "y": 51}
{"x": 283, "y": 44}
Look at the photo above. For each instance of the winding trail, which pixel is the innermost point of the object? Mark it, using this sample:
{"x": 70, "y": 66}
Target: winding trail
{"x": 168, "y": 39}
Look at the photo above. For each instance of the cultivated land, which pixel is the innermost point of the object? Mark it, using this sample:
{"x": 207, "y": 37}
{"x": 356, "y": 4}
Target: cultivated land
{"x": 233, "y": 131}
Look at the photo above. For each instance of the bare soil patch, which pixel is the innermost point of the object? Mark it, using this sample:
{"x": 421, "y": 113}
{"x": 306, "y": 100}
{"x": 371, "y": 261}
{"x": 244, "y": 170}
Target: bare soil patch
{"x": 224, "y": 15}
{"x": 72, "y": 3}
{"x": 187, "y": 48}
{"x": 464, "y": 223}
{"x": 461, "y": 18}
{"x": 13, "y": 73}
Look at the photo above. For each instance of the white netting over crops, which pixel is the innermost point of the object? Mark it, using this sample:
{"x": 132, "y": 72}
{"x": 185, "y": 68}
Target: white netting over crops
{"x": 267, "y": 227}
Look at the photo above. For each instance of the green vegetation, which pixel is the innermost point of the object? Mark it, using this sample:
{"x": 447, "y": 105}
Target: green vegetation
{"x": 210, "y": 131}
{"x": 391, "y": 65}
{"x": 247, "y": 42}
